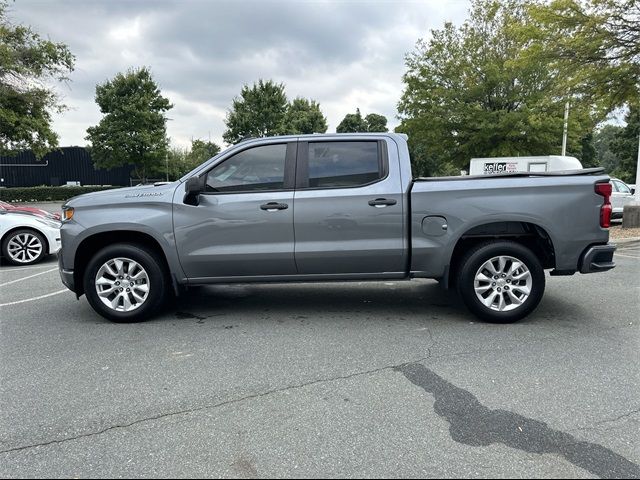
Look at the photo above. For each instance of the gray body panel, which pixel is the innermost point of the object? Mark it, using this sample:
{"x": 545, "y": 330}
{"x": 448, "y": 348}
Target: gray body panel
{"x": 334, "y": 234}
{"x": 229, "y": 235}
{"x": 146, "y": 209}
{"x": 565, "y": 207}
{"x": 338, "y": 232}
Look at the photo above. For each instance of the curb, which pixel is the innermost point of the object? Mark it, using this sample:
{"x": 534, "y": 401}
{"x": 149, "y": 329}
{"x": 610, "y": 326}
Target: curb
{"x": 623, "y": 241}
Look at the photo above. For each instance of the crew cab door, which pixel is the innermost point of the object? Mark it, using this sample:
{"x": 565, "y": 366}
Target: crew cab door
{"x": 243, "y": 222}
{"x": 348, "y": 215}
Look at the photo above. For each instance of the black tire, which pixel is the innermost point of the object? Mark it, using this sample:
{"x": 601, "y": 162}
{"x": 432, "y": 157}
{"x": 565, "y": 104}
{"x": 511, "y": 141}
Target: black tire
{"x": 44, "y": 246}
{"x": 157, "y": 281}
{"x": 476, "y": 258}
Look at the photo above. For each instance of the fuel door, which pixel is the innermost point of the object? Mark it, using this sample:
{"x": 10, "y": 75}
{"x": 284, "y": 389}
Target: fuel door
{"x": 434, "y": 226}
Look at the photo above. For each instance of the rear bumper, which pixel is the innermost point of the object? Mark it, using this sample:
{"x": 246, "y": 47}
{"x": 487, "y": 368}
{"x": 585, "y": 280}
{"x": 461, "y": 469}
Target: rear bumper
{"x": 597, "y": 258}
{"x": 66, "y": 275}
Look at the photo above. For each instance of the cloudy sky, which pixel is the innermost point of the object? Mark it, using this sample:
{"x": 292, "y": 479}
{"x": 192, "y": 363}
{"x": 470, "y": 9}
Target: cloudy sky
{"x": 344, "y": 54}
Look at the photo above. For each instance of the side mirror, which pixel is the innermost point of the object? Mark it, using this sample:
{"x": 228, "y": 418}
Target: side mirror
{"x": 633, "y": 191}
{"x": 194, "y": 186}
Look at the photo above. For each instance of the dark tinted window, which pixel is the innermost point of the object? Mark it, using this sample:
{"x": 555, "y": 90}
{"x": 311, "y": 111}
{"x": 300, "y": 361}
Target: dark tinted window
{"x": 259, "y": 168}
{"x": 343, "y": 164}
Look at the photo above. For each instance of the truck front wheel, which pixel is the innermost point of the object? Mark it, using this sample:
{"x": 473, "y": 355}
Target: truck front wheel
{"x": 501, "y": 281}
{"x": 125, "y": 282}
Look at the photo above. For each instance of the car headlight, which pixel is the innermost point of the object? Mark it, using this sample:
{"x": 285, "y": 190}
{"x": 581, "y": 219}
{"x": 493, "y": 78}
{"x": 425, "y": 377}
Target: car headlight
{"x": 49, "y": 223}
{"x": 67, "y": 213}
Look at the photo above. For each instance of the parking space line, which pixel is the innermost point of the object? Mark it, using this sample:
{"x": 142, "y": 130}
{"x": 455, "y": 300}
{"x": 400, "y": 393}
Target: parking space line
{"x": 27, "y": 278}
{"x": 34, "y": 298}
{"x": 2, "y": 270}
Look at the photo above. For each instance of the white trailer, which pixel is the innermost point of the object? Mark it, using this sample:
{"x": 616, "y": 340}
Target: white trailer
{"x": 549, "y": 163}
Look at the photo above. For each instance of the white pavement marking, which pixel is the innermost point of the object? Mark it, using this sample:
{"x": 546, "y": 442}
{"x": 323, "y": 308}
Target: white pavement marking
{"x": 19, "y": 269}
{"x": 34, "y": 298}
{"x": 27, "y": 278}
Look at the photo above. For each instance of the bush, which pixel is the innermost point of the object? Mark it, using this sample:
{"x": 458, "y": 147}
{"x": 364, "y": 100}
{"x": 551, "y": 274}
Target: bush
{"x": 46, "y": 194}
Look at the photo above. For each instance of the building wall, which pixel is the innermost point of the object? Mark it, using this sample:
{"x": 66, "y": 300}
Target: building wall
{"x": 67, "y": 164}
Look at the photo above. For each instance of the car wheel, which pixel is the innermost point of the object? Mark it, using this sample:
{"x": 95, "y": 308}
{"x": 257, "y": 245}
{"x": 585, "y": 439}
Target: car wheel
{"x": 125, "y": 282}
{"x": 24, "y": 247}
{"x": 501, "y": 282}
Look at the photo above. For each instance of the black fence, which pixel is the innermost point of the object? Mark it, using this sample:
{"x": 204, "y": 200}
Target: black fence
{"x": 68, "y": 164}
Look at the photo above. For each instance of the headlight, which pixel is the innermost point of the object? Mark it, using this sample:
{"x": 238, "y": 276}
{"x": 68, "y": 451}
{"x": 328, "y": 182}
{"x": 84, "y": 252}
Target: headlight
{"x": 49, "y": 223}
{"x": 67, "y": 213}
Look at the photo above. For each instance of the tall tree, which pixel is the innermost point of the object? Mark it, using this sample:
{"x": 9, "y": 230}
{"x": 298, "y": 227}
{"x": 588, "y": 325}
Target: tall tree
{"x": 259, "y": 111}
{"x": 376, "y": 123}
{"x": 625, "y": 146}
{"x": 352, "y": 123}
{"x": 472, "y": 92}
{"x": 304, "y": 116}
{"x": 181, "y": 161}
{"x": 133, "y": 130}
{"x": 201, "y": 150}
{"x": 594, "y": 44}
{"x": 602, "y": 138}
{"x": 27, "y": 64}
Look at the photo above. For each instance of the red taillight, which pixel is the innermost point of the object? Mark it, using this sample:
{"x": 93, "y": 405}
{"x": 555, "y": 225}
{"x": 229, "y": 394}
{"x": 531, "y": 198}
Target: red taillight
{"x": 604, "y": 189}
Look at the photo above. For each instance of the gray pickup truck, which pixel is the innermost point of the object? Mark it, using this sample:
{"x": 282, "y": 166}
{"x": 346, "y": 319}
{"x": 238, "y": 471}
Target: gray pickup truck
{"x": 335, "y": 208}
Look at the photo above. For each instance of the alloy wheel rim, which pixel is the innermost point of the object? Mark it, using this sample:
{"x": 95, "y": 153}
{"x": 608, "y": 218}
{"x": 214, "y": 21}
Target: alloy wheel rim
{"x": 503, "y": 283}
{"x": 24, "y": 248}
{"x": 122, "y": 284}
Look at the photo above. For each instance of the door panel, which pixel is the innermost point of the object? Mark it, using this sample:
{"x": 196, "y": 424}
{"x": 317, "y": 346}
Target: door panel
{"x": 337, "y": 230}
{"x": 242, "y": 224}
{"x": 231, "y": 235}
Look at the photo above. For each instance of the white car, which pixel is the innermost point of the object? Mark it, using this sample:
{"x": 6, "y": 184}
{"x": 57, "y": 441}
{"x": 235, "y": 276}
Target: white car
{"x": 621, "y": 195}
{"x": 27, "y": 238}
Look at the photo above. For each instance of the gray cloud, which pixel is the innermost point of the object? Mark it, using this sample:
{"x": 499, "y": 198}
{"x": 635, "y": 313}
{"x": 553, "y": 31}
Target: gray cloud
{"x": 344, "y": 54}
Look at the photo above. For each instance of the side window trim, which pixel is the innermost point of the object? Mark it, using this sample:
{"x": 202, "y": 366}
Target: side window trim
{"x": 302, "y": 167}
{"x": 289, "y": 169}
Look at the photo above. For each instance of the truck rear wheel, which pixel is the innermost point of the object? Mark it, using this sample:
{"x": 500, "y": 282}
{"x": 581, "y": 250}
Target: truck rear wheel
{"x": 125, "y": 282}
{"x": 501, "y": 281}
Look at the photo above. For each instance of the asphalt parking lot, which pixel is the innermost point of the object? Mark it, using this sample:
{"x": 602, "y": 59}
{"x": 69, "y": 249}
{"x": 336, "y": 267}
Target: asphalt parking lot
{"x": 391, "y": 379}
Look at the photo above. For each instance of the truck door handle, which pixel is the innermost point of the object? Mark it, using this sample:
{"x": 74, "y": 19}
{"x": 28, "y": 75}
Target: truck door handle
{"x": 273, "y": 206}
{"x": 381, "y": 202}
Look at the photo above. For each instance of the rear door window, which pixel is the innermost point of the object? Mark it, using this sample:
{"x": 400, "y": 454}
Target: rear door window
{"x": 344, "y": 164}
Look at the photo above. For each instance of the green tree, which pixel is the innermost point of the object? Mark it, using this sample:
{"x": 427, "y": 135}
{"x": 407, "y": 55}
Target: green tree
{"x": 28, "y": 64}
{"x": 471, "y": 91}
{"x": 352, "y": 123}
{"x": 625, "y": 146}
{"x": 602, "y": 139}
{"x": 201, "y": 150}
{"x": 259, "y": 111}
{"x": 376, "y": 123}
{"x": 304, "y": 116}
{"x": 594, "y": 44}
{"x": 133, "y": 130}
{"x": 181, "y": 160}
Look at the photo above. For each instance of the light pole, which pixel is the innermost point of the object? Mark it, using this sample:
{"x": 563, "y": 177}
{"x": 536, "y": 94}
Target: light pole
{"x": 565, "y": 129}
{"x": 631, "y": 211}
{"x": 637, "y": 194}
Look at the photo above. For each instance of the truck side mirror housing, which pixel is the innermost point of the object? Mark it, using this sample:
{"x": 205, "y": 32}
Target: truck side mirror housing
{"x": 194, "y": 186}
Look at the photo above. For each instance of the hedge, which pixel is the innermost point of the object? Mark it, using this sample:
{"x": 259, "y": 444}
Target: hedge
{"x": 46, "y": 194}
